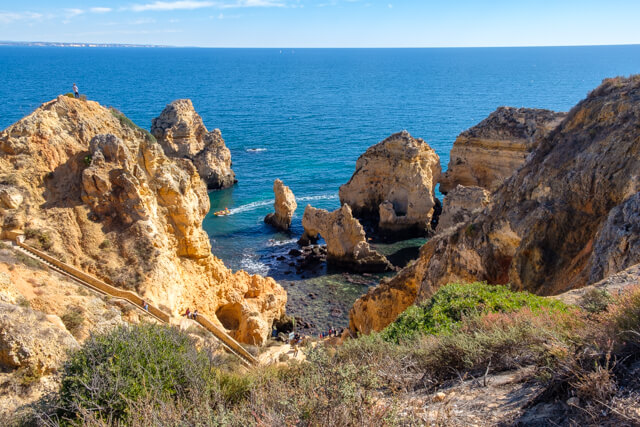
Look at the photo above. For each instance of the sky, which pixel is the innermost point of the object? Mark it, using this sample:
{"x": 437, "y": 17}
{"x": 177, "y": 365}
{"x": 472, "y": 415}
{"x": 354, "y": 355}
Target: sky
{"x": 324, "y": 23}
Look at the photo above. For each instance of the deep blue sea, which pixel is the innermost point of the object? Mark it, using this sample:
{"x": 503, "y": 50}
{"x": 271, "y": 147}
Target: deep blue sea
{"x": 304, "y": 116}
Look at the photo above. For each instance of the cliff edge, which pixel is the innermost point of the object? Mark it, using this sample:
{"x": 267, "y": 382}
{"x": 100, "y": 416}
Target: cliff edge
{"x": 94, "y": 190}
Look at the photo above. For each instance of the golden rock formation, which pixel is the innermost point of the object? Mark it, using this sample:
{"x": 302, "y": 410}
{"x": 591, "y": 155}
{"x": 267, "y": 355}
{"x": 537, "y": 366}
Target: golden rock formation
{"x": 99, "y": 193}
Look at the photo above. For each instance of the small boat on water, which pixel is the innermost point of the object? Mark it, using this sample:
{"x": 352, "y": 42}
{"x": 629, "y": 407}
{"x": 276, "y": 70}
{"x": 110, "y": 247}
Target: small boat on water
{"x": 223, "y": 212}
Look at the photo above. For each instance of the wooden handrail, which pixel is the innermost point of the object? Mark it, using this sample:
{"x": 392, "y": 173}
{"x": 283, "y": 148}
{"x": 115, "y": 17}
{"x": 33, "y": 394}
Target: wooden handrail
{"x": 93, "y": 282}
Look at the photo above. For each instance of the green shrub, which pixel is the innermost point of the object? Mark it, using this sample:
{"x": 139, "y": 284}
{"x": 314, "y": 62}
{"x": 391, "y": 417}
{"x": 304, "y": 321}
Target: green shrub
{"x": 126, "y": 121}
{"x": 595, "y": 300}
{"x": 106, "y": 244}
{"x": 28, "y": 261}
{"x": 87, "y": 160}
{"x": 23, "y": 302}
{"x": 73, "y": 318}
{"x": 43, "y": 238}
{"x": 131, "y": 363}
{"x": 451, "y": 303}
{"x": 69, "y": 95}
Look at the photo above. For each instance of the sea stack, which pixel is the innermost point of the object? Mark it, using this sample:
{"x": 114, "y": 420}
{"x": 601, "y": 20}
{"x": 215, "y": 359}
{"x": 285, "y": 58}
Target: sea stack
{"x": 285, "y": 205}
{"x": 394, "y": 184}
{"x": 182, "y": 134}
{"x": 491, "y": 151}
{"x": 347, "y": 245}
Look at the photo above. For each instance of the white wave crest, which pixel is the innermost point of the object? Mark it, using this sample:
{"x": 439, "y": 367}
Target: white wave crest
{"x": 255, "y": 150}
{"x": 273, "y": 242}
{"x": 320, "y": 197}
{"x": 252, "y": 265}
{"x": 261, "y": 203}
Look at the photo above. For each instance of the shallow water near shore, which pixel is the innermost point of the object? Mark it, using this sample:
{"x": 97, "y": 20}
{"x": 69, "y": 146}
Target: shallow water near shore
{"x": 304, "y": 116}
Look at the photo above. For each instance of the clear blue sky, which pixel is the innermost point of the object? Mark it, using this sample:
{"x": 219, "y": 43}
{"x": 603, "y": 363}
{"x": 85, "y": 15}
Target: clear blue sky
{"x": 324, "y": 23}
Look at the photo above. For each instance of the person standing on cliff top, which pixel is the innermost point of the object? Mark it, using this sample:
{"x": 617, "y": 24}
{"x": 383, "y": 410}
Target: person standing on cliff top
{"x": 75, "y": 91}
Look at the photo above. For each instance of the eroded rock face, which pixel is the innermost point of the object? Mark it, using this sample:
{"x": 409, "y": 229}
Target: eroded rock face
{"x": 490, "y": 152}
{"x": 460, "y": 205}
{"x": 10, "y": 197}
{"x": 29, "y": 340}
{"x": 617, "y": 244}
{"x": 105, "y": 198}
{"x": 347, "y": 245}
{"x": 182, "y": 134}
{"x": 394, "y": 183}
{"x": 565, "y": 219}
{"x": 285, "y": 205}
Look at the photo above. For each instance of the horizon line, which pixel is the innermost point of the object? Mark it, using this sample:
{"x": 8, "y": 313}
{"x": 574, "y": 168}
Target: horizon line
{"x": 150, "y": 45}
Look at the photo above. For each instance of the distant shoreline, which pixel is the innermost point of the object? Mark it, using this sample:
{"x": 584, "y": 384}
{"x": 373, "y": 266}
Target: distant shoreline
{"x": 107, "y": 45}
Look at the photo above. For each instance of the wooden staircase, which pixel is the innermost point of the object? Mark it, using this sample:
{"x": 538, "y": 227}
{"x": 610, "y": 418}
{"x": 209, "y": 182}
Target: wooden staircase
{"x": 99, "y": 286}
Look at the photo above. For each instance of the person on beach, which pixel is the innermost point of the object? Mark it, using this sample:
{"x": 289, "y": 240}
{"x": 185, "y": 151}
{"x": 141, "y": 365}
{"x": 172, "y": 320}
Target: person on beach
{"x": 145, "y": 305}
{"x": 195, "y": 314}
{"x": 75, "y": 91}
{"x": 187, "y": 314}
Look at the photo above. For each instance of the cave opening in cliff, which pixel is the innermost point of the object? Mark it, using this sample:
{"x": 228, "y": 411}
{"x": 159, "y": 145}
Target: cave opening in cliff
{"x": 229, "y": 315}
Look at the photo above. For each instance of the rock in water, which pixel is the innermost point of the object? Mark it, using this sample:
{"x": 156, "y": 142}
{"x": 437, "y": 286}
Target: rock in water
{"x": 98, "y": 193}
{"x": 394, "y": 183}
{"x": 490, "y": 152}
{"x": 460, "y": 205}
{"x": 285, "y": 205}
{"x": 567, "y": 218}
{"x": 347, "y": 245}
{"x": 182, "y": 134}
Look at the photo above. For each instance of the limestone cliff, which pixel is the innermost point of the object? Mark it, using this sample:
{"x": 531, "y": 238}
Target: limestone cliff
{"x": 285, "y": 205}
{"x": 346, "y": 240}
{"x": 394, "y": 183}
{"x": 567, "y": 218}
{"x": 182, "y": 134}
{"x": 98, "y": 193}
{"x": 460, "y": 205}
{"x": 490, "y": 152}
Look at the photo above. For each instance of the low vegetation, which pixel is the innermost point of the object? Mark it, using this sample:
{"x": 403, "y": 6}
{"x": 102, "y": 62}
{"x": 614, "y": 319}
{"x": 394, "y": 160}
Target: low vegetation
{"x": 155, "y": 375}
{"x": 41, "y": 238}
{"x": 73, "y": 318}
{"x": 125, "y": 121}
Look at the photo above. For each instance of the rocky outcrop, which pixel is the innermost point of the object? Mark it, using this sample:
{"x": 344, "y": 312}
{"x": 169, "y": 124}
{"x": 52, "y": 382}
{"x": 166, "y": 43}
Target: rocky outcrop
{"x": 10, "y": 197}
{"x": 182, "y": 134}
{"x": 564, "y": 220}
{"x": 101, "y": 195}
{"x": 394, "y": 183}
{"x": 617, "y": 244}
{"x": 460, "y": 205}
{"x": 347, "y": 245}
{"x": 285, "y": 205}
{"x": 29, "y": 340}
{"x": 490, "y": 152}
{"x": 615, "y": 285}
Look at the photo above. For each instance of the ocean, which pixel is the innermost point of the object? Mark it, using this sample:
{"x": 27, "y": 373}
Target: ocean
{"x": 304, "y": 116}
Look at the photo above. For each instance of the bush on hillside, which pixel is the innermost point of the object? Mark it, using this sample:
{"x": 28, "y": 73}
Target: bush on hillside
{"x": 131, "y": 363}
{"x": 453, "y": 302}
{"x": 126, "y": 121}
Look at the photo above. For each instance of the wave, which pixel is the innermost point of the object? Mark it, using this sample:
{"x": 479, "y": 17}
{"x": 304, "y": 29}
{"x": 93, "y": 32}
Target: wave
{"x": 255, "y": 150}
{"x": 261, "y": 203}
{"x": 252, "y": 265}
{"x": 320, "y": 197}
{"x": 274, "y": 243}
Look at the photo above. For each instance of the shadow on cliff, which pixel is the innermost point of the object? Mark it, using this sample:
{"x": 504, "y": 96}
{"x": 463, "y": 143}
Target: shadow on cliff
{"x": 63, "y": 185}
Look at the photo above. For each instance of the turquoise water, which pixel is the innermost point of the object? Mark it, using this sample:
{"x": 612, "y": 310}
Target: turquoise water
{"x": 305, "y": 116}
